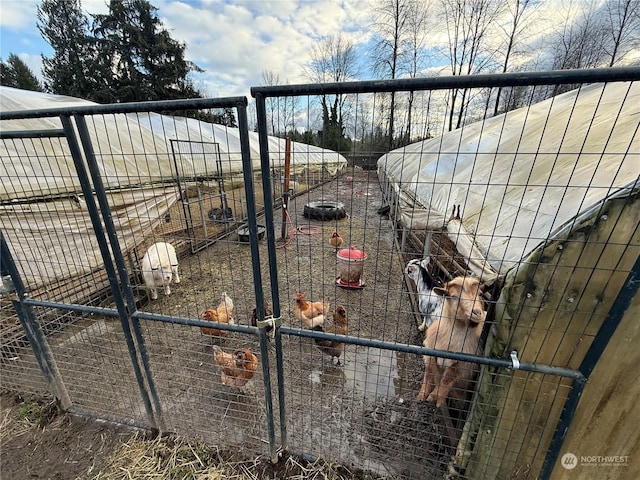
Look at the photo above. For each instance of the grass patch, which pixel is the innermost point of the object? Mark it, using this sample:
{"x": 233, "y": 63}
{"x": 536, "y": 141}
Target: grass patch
{"x": 36, "y": 413}
{"x": 173, "y": 458}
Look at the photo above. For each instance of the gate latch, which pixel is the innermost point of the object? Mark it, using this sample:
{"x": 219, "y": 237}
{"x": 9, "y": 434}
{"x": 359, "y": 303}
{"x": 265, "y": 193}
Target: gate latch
{"x": 269, "y": 321}
{"x": 515, "y": 363}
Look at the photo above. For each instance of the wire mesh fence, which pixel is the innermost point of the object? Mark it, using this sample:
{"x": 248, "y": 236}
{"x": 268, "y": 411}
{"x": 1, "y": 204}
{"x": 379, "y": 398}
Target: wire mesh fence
{"x": 538, "y": 207}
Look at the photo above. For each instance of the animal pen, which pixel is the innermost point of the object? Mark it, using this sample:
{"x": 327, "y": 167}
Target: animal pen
{"x": 541, "y": 203}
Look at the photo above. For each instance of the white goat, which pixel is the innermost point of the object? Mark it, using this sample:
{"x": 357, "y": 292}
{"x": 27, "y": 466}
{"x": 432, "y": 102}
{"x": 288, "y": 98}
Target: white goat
{"x": 159, "y": 268}
{"x": 429, "y": 304}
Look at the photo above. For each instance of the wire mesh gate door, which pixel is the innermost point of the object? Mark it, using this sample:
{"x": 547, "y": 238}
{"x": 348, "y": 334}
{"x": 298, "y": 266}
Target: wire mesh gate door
{"x": 356, "y": 399}
{"x": 106, "y": 347}
{"x": 358, "y": 407}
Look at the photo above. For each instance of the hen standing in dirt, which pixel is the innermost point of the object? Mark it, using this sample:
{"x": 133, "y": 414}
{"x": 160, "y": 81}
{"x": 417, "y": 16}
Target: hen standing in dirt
{"x": 310, "y": 314}
{"x": 223, "y": 313}
{"x": 339, "y": 327}
{"x": 237, "y": 367}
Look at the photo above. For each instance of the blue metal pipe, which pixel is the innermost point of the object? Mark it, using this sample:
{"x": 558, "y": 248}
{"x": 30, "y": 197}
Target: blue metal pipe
{"x": 486, "y": 80}
{"x": 109, "y": 312}
{"x": 123, "y": 285}
{"x": 131, "y": 107}
{"x": 265, "y": 165}
{"x": 243, "y": 126}
{"x": 462, "y": 357}
{"x": 76, "y": 154}
{"x": 19, "y": 134}
{"x": 33, "y": 331}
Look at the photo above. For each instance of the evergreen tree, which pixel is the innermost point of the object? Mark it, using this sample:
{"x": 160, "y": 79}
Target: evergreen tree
{"x": 123, "y": 56}
{"x": 138, "y": 56}
{"x": 64, "y": 26}
{"x": 332, "y": 134}
{"x": 15, "y": 73}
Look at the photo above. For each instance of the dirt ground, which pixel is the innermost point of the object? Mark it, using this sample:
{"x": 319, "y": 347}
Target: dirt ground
{"x": 361, "y": 414}
{"x": 46, "y": 445}
{"x": 36, "y": 441}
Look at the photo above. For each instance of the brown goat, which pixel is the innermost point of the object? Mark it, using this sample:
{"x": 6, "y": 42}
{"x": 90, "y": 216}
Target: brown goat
{"x": 458, "y": 329}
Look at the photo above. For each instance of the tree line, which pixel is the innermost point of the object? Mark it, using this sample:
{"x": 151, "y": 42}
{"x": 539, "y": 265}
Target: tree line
{"x": 127, "y": 55}
{"x": 472, "y": 36}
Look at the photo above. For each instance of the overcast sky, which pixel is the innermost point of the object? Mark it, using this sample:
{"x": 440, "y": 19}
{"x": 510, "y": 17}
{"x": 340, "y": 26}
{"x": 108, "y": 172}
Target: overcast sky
{"x": 234, "y": 41}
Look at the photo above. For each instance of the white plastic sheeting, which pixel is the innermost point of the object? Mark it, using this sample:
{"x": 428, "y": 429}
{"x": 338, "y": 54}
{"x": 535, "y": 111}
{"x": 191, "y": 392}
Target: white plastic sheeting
{"x": 520, "y": 176}
{"x": 132, "y": 148}
{"x": 54, "y": 240}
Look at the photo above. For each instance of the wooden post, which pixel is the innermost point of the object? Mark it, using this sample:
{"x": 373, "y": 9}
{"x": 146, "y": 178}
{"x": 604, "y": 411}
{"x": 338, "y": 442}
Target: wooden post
{"x": 285, "y": 187}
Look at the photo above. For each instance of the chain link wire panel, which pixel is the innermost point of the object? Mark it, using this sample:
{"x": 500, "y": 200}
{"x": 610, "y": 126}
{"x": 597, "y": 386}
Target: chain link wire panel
{"x": 167, "y": 179}
{"x": 540, "y": 203}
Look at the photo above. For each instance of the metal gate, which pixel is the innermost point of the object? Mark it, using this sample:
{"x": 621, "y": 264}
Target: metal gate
{"x": 83, "y": 305}
{"x": 518, "y": 412}
{"x": 130, "y": 177}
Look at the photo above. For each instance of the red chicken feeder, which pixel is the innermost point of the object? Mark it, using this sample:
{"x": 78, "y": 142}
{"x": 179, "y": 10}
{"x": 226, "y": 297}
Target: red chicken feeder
{"x": 350, "y": 263}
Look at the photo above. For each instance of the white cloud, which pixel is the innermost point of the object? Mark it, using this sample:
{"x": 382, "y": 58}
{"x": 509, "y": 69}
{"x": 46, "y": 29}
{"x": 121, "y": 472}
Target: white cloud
{"x": 18, "y": 14}
{"x": 236, "y": 40}
{"x": 236, "y": 43}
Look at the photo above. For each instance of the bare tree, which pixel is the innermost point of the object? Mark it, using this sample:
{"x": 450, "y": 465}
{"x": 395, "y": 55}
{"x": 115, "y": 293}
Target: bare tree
{"x": 281, "y": 111}
{"x": 333, "y": 59}
{"x": 622, "y": 27}
{"x": 391, "y": 25}
{"x": 518, "y": 9}
{"x": 414, "y": 59}
{"x": 579, "y": 43}
{"x": 467, "y": 23}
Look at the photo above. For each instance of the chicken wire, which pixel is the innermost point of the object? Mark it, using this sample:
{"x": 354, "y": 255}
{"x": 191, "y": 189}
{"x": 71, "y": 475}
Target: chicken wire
{"x": 363, "y": 411}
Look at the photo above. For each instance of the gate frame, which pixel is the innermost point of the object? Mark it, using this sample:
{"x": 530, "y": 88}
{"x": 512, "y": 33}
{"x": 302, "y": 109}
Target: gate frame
{"x": 553, "y": 77}
{"x": 82, "y": 151}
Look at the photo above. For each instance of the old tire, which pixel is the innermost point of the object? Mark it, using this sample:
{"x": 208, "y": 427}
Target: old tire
{"x": 325, "y": 210}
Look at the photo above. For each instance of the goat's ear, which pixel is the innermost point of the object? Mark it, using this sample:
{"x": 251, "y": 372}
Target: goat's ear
{"x": 440, "y": 291}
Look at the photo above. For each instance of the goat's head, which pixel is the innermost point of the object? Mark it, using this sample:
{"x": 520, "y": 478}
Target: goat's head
{"x": 463, "y": 300}
{"x": 413, "y": 269}
{"x": 417, "y": 271}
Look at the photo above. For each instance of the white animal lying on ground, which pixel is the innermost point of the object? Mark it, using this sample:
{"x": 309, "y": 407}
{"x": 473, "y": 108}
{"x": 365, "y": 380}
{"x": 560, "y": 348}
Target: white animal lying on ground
{"x": 160, "y": 268}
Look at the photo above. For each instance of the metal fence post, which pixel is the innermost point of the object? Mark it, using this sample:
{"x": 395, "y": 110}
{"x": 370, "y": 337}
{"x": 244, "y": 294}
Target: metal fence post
{"x": 271, "y": 249}
{"x": 243, "y": 126}
{"x": 74, "y": 147}
{"x": 33, "y": 331}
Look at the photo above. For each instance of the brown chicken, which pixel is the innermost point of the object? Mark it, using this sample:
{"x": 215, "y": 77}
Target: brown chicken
{"x": 335, "y": 240}
{"x": 254, "y": 319}
{"x": 223, "y": 313}
{"x": 310, "y": 314}
{"x": 339, "y": 327}
{"x": 237, "y": 367}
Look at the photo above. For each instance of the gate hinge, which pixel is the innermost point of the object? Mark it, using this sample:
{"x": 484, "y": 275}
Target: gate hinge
{"x": 269, "y": 321}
